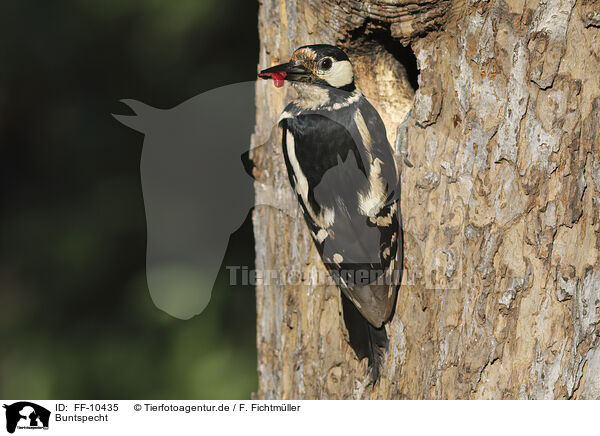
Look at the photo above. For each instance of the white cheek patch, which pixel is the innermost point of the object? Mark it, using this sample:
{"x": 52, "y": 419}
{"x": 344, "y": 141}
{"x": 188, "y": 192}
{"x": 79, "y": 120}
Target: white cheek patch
{"x": 339, "y": 75}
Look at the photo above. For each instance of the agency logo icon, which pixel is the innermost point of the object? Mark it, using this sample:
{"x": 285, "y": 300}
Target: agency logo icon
{"x": 26, "y": 415}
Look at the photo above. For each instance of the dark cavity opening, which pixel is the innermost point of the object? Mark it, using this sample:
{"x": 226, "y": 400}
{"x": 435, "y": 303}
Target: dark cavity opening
{"x": 373, "y": 36}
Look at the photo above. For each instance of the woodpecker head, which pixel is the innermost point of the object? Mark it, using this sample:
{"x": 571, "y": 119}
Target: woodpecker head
{"x": 318, "y": 65}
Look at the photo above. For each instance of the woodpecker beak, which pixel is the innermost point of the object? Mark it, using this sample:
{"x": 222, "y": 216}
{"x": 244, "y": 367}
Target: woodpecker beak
{"x": 282, "y": 72}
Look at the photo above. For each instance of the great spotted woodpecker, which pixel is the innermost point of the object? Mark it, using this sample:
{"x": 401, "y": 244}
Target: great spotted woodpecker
{"x": 342, "y": 168}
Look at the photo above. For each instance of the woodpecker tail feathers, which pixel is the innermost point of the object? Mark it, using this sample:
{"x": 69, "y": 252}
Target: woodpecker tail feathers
{"x": 365, "y": 339}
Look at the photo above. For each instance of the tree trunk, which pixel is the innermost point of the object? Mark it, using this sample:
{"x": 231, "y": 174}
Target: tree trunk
{"x": 501, "y": 208}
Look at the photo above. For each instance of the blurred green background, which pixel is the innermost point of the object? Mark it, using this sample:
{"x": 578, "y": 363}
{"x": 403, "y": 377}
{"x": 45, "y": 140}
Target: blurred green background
{"x": 76, "y": 318}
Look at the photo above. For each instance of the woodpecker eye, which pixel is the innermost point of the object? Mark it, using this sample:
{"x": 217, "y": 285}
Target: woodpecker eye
{"x": 326, "y": 64}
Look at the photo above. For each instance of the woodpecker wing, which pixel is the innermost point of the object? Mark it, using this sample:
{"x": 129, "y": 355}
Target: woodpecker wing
{"x": 342, "y": 168}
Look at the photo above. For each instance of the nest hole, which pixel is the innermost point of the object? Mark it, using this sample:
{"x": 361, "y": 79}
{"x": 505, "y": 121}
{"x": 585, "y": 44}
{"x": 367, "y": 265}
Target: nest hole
{"x": 386, "y": 72}
{"x": 374, "y": 40}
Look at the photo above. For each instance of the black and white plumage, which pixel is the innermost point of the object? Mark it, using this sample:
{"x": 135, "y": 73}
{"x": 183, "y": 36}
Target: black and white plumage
{"x": 342, "y": 169}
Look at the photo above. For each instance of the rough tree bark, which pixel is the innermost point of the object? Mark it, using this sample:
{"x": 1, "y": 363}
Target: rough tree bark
{"x": 501, "y": 210}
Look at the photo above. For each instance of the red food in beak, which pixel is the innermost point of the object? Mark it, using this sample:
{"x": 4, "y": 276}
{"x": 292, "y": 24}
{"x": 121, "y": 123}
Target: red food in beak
{"x": 278, "y": 78}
